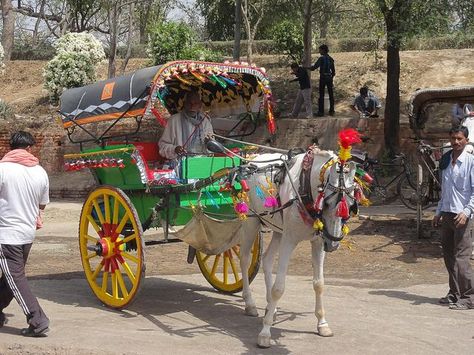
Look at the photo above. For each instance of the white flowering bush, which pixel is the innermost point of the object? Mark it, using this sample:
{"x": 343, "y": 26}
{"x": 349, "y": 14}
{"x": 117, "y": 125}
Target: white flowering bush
{"x": 2, "y": 55}
{"x": 74, "y": 65}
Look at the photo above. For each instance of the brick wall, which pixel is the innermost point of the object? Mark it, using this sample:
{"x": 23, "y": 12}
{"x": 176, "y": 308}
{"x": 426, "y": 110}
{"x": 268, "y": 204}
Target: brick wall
{"x": 52, "y": 144}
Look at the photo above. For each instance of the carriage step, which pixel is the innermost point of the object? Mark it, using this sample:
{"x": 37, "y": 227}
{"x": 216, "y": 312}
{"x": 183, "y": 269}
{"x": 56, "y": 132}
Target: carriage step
{"x": 163, "y": 241}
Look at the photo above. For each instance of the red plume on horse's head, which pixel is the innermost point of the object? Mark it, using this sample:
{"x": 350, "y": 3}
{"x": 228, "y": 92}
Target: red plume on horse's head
{"x": 348, "y": 137}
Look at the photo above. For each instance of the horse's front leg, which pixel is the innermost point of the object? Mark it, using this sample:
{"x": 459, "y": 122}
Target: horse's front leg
{"x": 317, "y": 252}
{"x": 250, "y": 231}
{"x": 285, "y": 251}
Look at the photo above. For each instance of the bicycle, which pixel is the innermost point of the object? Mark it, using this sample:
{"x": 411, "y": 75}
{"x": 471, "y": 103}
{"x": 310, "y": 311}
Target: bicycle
{"x": 405, "y": 179}
{"x": 430, "y": 188}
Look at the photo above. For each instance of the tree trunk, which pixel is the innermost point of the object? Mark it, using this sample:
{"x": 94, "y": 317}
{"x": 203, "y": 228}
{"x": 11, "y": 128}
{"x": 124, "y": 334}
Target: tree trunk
{"x": 8, "y": 18}
{"x": 238, "y": 22}
{"x": 113, "y": 40}
{"x": 307, "y": 33}
{"x": 131, "y": 28}
{"x": 392, "y": 102}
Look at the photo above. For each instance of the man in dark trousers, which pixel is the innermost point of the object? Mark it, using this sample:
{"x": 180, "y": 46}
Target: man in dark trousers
{"x": 454, "y": 213}
{"x": 24, "y": 190}
{"x": 304, "y": 93}
{"x": 327, "y": 71}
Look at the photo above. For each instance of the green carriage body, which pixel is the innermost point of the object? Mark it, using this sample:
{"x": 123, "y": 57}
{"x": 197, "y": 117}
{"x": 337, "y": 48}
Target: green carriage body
{"x": 144, "y": 194}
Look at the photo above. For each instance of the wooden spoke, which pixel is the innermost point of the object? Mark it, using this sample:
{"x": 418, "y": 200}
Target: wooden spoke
{"x": 113, "y": 280}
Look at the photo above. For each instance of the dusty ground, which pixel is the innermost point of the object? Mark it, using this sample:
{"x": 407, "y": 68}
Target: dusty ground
{"x": 381, "y": 294}
{"x": 383, "y": 249}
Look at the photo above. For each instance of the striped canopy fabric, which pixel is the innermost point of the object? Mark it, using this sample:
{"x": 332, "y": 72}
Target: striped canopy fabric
{"x": 225, "y": 89}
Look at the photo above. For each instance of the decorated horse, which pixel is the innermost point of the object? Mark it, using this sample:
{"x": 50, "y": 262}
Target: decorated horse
{"x": 313, "y": 195}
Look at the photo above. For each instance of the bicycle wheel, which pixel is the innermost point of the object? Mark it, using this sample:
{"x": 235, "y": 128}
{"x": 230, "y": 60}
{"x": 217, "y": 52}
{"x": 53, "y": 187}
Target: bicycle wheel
{"x": 408, "y": 194}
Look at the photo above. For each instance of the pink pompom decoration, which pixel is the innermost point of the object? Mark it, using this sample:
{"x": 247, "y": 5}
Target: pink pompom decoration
{"x": 241, "y": 207}
{"x": 270, "y": 201}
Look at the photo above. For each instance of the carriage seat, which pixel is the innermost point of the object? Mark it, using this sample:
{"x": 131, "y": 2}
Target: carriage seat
{"x": 155, "y": 172}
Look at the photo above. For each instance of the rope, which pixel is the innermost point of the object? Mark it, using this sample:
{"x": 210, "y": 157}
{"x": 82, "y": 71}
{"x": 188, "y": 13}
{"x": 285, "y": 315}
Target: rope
{"x": 278, "y": 150}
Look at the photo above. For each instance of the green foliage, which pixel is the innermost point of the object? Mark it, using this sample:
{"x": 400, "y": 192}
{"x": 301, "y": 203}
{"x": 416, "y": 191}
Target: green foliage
{"x": 168, "y": 40}
{"x": 288, "y": 39}
{"x": 356, "y": 44}
{"x": 74, "y": 64}
{"x": 219, "y": 17}
{"x": 6, "y": 112}
{"x": 24, "y": 49}
{"x": 171, "y": 41}
{"x": 226, "y": 47}
{"x": 198, "y": 52}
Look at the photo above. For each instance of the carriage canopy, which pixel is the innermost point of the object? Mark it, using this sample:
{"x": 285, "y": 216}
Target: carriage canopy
{"x": 225, "y": 88}
{"x": 422, "y": 99}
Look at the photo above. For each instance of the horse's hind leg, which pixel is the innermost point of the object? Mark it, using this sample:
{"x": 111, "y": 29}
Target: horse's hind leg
{"x": 286, "y": 248}
{"x": 318, "y": 254}
{"x": 249, "y": 233}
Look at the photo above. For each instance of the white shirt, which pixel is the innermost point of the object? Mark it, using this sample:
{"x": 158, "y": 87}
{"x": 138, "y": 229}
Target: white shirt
{"x": 457, "y": 186}
{"x": 22, "y": 190}
{"x": 173, "y": 136}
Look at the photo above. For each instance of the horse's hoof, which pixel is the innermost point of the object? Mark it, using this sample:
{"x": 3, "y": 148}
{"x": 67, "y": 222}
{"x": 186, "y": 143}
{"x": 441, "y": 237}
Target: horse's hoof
{"x": 251, "y": 311}
{"x": 325, "y": 331}
{"x": 263, "y": 341}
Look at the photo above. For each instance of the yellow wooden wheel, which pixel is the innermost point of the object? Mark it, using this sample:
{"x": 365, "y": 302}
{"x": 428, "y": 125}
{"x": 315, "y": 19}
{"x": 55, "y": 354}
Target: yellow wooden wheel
{"x": 223, "y": 271}
{"x": 111, "y": 245}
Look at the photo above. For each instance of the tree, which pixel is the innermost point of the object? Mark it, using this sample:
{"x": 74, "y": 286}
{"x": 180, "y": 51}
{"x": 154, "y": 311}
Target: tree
{"x": 403, "y": 19}
{"x": 149, "y": 12}
{"x": 252, "y": 13}
{"x": 8, "y": 18}
{"x": 237, "y": 33}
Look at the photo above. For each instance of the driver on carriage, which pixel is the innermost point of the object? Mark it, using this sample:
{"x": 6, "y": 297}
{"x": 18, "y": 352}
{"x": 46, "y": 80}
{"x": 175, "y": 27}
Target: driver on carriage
{"x": 187, "y": 130}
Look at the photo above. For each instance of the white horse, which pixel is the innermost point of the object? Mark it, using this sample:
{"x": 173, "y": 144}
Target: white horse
{"x": 293, "y": 225}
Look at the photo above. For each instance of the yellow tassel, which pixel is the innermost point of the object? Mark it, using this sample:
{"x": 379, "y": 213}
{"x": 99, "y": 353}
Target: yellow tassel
{"x": 362, "y": 184}
{"x": 318, "y": 224}
{"x": 345, "y": 153}
{"x": 348, "y": 243}
{"x": 345, "y": 229}
{"x": 364, "y": 201}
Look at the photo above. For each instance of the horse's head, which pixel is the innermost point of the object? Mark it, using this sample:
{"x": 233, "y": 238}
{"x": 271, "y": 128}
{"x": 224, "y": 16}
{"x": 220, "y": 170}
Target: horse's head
{"x": 336, "y": 183}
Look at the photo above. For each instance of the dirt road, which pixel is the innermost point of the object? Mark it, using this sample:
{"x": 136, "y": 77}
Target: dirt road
{"x": 381, "y": 298}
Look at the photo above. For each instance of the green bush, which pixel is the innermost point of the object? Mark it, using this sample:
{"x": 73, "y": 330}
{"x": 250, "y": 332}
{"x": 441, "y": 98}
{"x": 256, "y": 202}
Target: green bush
{"x": 26, "y": 50}
{"x": 288, "y": 40}
{"x": 168, "y": 40}
{"x": 356, "y": 44}
{"x": 198, "y": 52}
{"x": 173, "y": 41}
{"x": 6, "y": 112}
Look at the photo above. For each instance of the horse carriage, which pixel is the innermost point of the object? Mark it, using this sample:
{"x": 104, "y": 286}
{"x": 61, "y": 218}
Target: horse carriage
{"x": 430, "y": 113}
{"x": 222, "y": 199}
{"x": 136, "y": 190}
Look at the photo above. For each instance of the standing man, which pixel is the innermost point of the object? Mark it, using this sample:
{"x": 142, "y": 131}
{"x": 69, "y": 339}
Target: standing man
{"x": 24, "y": 190}
{"x": 304, "y": 93}
{"x": 453, "y": 214}
{"x": 327, "y": 71}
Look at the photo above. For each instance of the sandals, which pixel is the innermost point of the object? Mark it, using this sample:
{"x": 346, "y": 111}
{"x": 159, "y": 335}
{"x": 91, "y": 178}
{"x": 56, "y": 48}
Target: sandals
{"x": 34, "y": 332}
{"x": 460, "y": 306}
{"x": 449, "y": 299}
{"x": 3, "y": 319}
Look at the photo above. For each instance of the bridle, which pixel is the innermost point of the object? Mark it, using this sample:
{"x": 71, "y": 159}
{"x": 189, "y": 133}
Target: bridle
{"x": 340, "y": 191}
